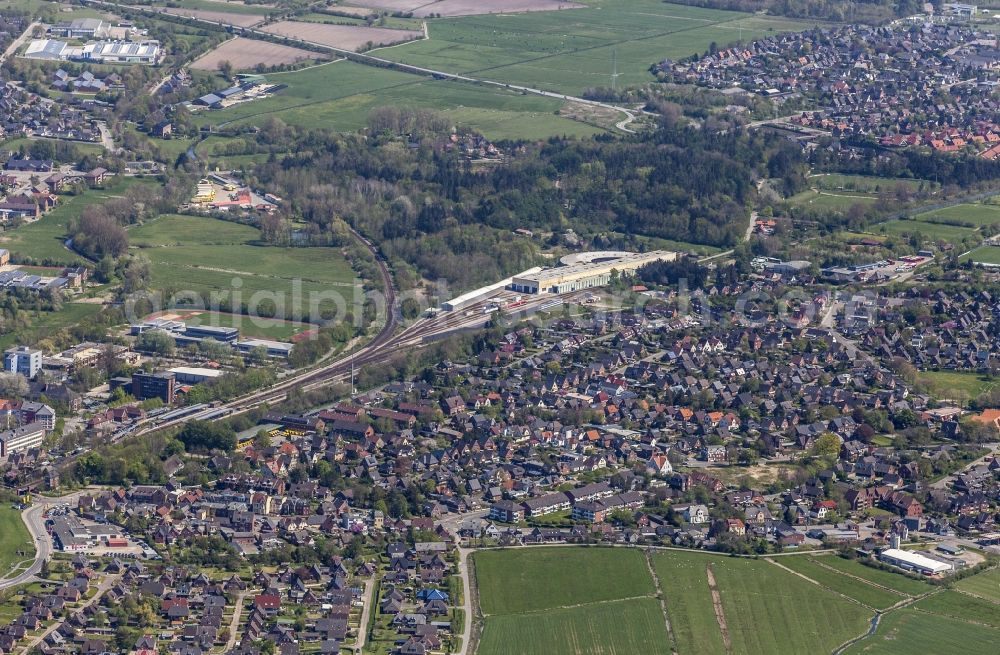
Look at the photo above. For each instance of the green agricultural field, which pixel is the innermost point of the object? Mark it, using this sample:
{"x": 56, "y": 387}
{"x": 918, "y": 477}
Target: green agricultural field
{"x": 340, "y": 95}
{"x": 684, "y": 579}
{"x": 800, "y": 617}
{"x": 202, "y": 254}
{"x": 569, "y": 51}
{"x": 896, "y": 581}
{"x": 227, "y": 7}
{"x": 986, "y": 585}
{"x": 961, "y": 606}
{"x": 611, "y": 628}
{"x": 44, "y": 238}
{"x": 937, "y": 231}
{"x": 14, "y": 537}
{"x": 984, "y": 255}
{"x": 862, "y": 592}
{"x": 909, "y": 631}
{"x": 533, "y": 579}
{"x": 962, "y": 215}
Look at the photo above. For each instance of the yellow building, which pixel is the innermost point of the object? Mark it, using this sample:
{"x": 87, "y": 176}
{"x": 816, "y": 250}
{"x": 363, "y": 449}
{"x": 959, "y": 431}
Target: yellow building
{"x": 205, "y": 193}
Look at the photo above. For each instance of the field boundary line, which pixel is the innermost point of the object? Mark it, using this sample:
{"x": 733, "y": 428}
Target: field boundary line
{"x": 574, "y": 606}
{"x": 821, "y": 585}
{"x": 976, "y": 596}
{"x": 720, "y": 614}
{"x": 869, "y": 582}
{"x": 307, "y": 68}
{"x": 478, "y": 620}
{"x": 663, "y": 599}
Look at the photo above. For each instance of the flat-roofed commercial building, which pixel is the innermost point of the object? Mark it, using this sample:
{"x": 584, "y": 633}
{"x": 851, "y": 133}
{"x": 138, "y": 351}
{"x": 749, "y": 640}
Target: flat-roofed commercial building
{"x": 564, "y": 279}
{"x": 194, "y": 374}
{"x": 913, "y": 562}
{"x": 21, "y": 438}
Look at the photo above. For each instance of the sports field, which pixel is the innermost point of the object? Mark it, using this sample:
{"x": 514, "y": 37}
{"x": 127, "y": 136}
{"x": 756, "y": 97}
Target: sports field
{"x": 865, "y": 183}
{"x": 834, "y": 201}
{"x": 962, "y": 215}
{"x": 201, "y": 254}
{"x": 958, "y": 385}
{"x": 339, "y": 96}
{"x": 936, "y": 231}
{"x": 569, "y": 51}
{"x": 984, "y": 254}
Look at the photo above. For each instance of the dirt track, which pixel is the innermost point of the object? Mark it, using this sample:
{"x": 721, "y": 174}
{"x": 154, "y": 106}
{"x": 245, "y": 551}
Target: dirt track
{"x": 720, "y": 616}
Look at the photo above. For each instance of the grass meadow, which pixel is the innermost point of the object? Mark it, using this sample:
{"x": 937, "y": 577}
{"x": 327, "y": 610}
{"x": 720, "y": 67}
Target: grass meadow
{"x": 985, "y": 585}
{"x": 13, "y": 537}
{"x": 44, "y": 238}
{"x": 863, "y": 592}
{"x": 203, "y": 254}
{"x": 908, "y": 631}
{"x": 339, "y": 96}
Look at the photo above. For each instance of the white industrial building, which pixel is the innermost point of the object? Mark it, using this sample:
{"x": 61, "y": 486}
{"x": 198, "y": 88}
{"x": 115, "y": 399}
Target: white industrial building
{"x": 563, "y": 279}
{"x": 106, "y": 52}
{"x": 476, "y": 295}
{"x": 195, "y": 374}
{"x": 910, "y": 561}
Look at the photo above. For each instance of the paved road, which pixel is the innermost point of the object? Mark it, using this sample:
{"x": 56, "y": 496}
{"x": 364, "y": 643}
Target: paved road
{"x": 451, "y": 524}
{"x": 12, "y": 48}
{"x": 234, "y": 624}
{"x": 35, "y": 523}
{"x": 948, "y": 479}
{"x": 463, "y": 572}
{"x": 106, "y": 140}
{"x": 32, "y": 518}
{"x": 359, "y": 643}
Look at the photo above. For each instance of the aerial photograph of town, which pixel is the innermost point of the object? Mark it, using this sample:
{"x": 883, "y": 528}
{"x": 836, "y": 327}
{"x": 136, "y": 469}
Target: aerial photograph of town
{"x": 499, "y": 327}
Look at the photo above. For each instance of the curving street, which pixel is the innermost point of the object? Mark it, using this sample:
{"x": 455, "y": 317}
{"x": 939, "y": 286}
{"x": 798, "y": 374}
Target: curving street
{"x": 35, "y": 523}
